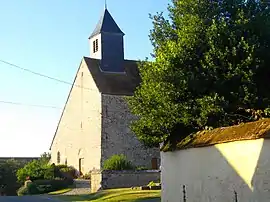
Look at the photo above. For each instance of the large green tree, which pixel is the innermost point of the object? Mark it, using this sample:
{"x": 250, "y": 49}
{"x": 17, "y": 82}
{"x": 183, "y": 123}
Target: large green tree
{"x": 211, "y": 68}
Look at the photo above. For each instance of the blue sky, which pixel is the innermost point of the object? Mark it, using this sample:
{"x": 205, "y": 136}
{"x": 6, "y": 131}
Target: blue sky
{"x": 51, "y": 37}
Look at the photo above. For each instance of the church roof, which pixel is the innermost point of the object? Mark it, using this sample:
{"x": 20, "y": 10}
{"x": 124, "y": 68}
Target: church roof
{"x": 115, "y": 83}
{"x": 106, "y": 24}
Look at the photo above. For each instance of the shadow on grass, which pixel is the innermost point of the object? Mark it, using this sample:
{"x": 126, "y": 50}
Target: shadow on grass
{"x": 83, "y": 197}
{"x": 115, "y": 195}
{"x": 149, "y": 199}
{"x": 129, "y": 196}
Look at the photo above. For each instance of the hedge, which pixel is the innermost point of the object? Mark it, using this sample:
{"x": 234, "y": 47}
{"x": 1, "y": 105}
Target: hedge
{"x": 44, "y": 186}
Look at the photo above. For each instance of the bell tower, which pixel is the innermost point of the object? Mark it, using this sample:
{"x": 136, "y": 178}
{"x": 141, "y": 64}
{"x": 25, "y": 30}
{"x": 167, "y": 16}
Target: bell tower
{"x": 107, "y": 44}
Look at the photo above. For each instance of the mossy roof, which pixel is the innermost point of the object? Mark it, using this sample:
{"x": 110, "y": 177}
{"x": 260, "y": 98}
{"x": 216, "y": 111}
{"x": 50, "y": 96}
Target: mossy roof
{"x": 245, "y": 131}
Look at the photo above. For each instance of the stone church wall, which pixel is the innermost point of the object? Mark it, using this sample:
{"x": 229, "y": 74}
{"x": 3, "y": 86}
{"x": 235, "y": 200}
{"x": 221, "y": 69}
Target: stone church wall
{"x": 117, "y": 137}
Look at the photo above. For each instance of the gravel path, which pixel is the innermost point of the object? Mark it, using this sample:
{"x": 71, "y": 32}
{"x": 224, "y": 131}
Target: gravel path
{"x": 78, "y": 191}
{"x": 82, "y": 187}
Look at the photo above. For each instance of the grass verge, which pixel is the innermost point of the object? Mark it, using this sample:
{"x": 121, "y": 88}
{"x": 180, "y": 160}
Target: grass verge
{"x": 62, "y": 191}
{"x": 115, "y": 195}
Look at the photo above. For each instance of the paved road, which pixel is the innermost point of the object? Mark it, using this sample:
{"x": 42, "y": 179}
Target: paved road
{"x": 27, "y": 199}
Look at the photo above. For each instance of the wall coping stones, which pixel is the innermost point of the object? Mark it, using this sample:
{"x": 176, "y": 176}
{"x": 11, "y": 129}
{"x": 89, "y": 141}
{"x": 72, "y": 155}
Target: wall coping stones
{"x": 124, "y": 171}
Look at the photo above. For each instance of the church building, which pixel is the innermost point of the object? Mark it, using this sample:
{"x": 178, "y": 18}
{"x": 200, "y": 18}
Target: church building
{"x": 95, "y": 122}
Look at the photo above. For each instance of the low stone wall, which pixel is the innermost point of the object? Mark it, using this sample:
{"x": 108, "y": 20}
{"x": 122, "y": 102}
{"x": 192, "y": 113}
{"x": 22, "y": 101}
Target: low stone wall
{"x": 23, "y": 160}
{"x": 122, "y": 179}
{"x": 81, "y": 183}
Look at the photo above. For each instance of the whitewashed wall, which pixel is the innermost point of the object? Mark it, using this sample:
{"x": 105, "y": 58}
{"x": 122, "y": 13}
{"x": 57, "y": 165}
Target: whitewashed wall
{"x": 78, "y": 135}
{"x": 98, "y": 54}
{"x": 219, "y": 173}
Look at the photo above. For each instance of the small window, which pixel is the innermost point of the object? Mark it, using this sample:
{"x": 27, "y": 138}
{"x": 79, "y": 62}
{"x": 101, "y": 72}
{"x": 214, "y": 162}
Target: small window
{"x": 96, "y": 45}
{"x": 58, "y": 157}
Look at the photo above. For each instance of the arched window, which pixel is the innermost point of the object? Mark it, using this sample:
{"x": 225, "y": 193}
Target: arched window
{"x": 58, "y": 157}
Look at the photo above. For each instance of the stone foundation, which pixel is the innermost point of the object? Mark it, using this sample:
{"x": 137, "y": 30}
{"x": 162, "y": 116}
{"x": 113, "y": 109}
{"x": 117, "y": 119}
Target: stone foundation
{"x": 122, "y": 179}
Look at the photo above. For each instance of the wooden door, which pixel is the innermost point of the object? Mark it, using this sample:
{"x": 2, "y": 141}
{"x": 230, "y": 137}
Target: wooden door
{"x": 154, "y": 163}
{"x": 81, "y": 166}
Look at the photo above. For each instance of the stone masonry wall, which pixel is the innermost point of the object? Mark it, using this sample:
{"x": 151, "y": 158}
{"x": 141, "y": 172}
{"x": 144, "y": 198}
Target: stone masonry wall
{"x": 117, "y": 137}
{"x": 122, "y": 179}
{"x": 78, "y": 134}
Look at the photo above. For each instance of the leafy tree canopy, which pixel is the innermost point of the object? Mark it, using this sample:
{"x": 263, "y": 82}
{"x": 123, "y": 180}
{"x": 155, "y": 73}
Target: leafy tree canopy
{"x": 45, "y": 158}
{"x": 37, "y": 169}
{"x": 210, "y": 69}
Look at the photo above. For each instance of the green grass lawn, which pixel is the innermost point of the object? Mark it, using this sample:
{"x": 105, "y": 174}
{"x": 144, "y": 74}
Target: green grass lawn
{"x": 62, "y": 191}
{"x": 116, "y": 195}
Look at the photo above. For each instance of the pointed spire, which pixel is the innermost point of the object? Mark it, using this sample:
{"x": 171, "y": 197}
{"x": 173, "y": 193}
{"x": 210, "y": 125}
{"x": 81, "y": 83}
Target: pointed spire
{"x": 106, "y": 24}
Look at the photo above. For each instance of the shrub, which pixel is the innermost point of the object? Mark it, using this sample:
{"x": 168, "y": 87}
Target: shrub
{"x": 30, "y": 189}
{"x": 64, "y": 171}
{"x": 68, "y": 172}
{"x": 39, "y": 170}
{"x": 35, "y": 170}
{"x": 152, "y": 183}
{"x": 33, "y": 189}
{"x": 141, "y": 168}
{"x": 8, "y": 179}
{"x": 45, "y": 189}
{"x": 60, "y": 166}
{"x": 49, "y": 173}
{"x": 55, "y": 184}
{"x": 118, "y": 162}
{"x": 44, "y": 186}
{"x": 22, "y": 191}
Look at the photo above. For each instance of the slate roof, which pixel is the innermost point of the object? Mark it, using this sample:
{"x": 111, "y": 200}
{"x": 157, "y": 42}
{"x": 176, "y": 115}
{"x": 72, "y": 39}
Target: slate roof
{"x": 106, "y": 24}
{"x": 115, "y": 83}
{"x": 245, "y": 131}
